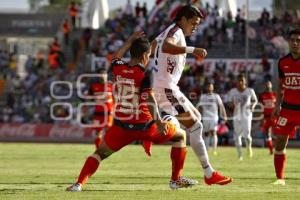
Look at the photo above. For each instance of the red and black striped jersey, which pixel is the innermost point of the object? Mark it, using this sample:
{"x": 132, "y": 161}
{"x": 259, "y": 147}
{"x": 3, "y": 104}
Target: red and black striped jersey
{"x": 289, "y": 73}
{"x": 131, "y": 85}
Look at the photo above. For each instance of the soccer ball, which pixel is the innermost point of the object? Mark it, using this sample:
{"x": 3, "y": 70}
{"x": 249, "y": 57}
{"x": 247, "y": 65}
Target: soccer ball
{"x": 171, "y": 119}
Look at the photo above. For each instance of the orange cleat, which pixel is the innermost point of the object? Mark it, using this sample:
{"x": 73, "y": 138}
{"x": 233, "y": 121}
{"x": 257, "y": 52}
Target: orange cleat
{"x": 147, "y": 147}
{"x": 218, "y": 179}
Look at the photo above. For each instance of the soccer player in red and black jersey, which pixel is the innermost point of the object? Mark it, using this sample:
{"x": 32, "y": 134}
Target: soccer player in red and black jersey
{"x": 268, "y": 99}
{"x": 136, "y": 115}
{"x": 287, "y": 109}
{"x": 102, "y": 90}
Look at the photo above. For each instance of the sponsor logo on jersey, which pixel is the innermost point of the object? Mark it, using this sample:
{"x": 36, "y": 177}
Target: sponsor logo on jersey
{"x": 124, "y": 80}
{"x": 292, "y": 81}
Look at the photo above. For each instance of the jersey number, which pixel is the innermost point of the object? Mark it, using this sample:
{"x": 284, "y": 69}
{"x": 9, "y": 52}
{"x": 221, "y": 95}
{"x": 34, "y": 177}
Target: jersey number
{"x": 128, "y": 97}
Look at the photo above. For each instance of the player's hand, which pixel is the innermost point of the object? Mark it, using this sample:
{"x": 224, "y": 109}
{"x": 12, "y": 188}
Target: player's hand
{"x": 136, "y": 35}
{"x": 162, "y": 127}
{"x": 275, "y": 112}
{"x": 200, "y": 53}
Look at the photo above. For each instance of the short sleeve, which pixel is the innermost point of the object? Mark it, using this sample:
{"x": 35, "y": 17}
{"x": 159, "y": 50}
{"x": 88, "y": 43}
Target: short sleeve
{"x": 175, "y": 33}
{"x": 201, "y": 99}
{"x": 116, "y": 62}
{"x": 219, "y": 100}
{"x": 147, "y": 82}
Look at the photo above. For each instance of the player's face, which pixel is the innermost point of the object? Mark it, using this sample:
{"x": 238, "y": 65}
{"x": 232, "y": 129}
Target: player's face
{"x": 269, "y": 85}
{"x": 210, "y": 88}
{"x": 242, "y": 83}
{"x": 294, "y": 44}
{"x": 146, "y": 58}
{"x": 190, "y": 25}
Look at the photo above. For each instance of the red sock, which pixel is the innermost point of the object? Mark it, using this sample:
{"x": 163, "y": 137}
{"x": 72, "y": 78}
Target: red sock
{"x": 270, "y": 146}
{"x": 97, "y": 142}
{"x": 279, "y": 163}
{"x": 89, "y": 168}
{"x": 178, "y": 157}
{"x": 147, "y": 147}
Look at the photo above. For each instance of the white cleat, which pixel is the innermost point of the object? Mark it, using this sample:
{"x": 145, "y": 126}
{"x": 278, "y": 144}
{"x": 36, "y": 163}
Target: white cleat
{"x": 74, "y": 188}
{"x": 279, "y": 182}
{"x": 241, "y": 158}
{"x": 182, "y": 182}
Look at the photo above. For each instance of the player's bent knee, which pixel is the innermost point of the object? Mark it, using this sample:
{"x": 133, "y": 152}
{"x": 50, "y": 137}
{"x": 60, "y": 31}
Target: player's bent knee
{"x": 281, "y": 142}
{"x": 180, "y": 136}
{"x": 103, "y": 151}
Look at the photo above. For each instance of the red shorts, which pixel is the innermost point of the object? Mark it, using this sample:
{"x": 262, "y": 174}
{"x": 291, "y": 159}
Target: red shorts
{"x": 267, "y": 123}
{"x": 287, "y": 122}
{"x": 102, "y": 121}
{"x": 117, "y": 137}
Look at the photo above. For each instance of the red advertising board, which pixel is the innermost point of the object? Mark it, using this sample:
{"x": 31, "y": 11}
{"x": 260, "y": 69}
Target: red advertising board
{"x": 45, "y": 132}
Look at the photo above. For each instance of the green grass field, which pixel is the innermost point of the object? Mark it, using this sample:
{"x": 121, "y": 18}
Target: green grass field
{"x": 43, "y": 171}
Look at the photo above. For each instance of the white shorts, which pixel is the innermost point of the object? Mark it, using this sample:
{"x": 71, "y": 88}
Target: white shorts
{"x": 242, "y": 127}
{"x": 173, "y": 102}
{"x": 210, "y": 125}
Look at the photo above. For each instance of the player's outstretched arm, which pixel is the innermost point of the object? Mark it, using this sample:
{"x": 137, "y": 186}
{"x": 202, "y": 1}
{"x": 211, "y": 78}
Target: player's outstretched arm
{"x": 169, "y": 46}
{"x": 121, "y": 52}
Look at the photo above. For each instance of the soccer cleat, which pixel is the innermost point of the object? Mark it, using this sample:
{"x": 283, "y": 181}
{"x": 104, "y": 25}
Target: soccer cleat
{"x": 182, "y": 182}
{"x": 218, "y": 179}
{"x": 241, "y": 158}
{"x": 74, "y": 188}
{"x": 147, "y": 147}
{"x": 279, "y": 182}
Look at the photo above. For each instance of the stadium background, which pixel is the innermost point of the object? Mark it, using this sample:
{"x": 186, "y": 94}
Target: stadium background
{"x": 35, "y": 55}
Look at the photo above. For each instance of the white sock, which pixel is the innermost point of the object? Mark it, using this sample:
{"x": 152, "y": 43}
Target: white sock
{"x": 198, "y": 145}
{"x": 215, "y": 141}
{"x": 238, "y": 144}
{"x": 248, "y": 142}
{"x": 206, "y": 141}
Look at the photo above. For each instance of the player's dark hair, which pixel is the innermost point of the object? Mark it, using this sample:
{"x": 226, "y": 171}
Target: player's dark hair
{"x": 294, "y": 32}
{"x": 139, "y": 47}
{"x": 188, "y": 11}
{"x": 242, "y": 75}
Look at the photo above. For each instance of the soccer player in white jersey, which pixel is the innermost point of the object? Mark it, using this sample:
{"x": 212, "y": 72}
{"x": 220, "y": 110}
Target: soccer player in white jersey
{"x": 170, "y": 55}
{"x": 210, "y": 103}
{"x": 243, "y": 101}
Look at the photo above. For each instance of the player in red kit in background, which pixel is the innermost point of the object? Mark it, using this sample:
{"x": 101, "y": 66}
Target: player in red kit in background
{"x": 287, "y": 109}
{"x": 102, "y": 90}
{"x": 268, "y": 99}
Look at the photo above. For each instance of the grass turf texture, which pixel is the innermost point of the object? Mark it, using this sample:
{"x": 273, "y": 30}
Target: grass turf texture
{"x": 43, "y": 171}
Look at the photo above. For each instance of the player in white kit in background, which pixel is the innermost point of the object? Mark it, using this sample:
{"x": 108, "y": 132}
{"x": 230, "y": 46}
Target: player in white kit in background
{"x": 210, "y": 103}
{"x": 243, "y": 101}
{"x": 170, "y": 55}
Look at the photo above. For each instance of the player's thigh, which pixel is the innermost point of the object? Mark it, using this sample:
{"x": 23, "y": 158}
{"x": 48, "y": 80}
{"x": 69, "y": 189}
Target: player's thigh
{"x": 246, "y": 127}
{"x": 286, "y": 123}
{"x": 237, "y": 126}
{"x": 174, "y": 102}
{"x": 117, "y": 137}
{"x": 173, "y": 133}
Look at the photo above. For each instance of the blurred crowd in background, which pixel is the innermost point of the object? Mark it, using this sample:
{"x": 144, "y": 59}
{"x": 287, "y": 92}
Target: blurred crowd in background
{"x": 28, "y": 99}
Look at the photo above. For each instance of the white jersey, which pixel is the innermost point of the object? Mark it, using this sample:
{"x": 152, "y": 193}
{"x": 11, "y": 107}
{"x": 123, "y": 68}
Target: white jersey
{"x": 169, "y": 67}
{"x": 210, "y": 104}
{"x": 242, "y": 101}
